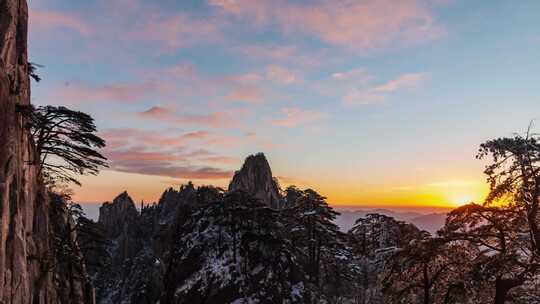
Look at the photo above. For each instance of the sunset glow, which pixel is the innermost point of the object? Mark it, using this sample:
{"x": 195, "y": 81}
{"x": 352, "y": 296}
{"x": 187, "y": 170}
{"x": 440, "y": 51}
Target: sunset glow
{"x": 371, "y": 103}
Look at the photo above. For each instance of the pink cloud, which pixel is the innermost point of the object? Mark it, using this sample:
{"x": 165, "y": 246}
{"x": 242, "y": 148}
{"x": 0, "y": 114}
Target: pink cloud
{"x": 197, "y": 135}
{"x": 281, "y": 75}
{"x": 183, "y": 172}
{"x": 50, "y": 20}
{"x": 364, "y": 26}
{"x": 247, "y": 93}
{"x": 143, "y": 156}
{"x": 296, "y": 116}
{"x": 130, "y": 136}
{"x": 121, "y": 92}
{"x": 379, "y": 93}
{"x": 177, "y": 31}
{"x": 272, "y": 53}
{"x": 247, "y": 78}
{"x": 123, "y": 24}
{"x": 156, "y": 112}
{"x": 403, "y": 81}
{"x": 290, "y": 55}
{"x": 359, "y": 97}
{"x": 359, "y": 76}
{"x": 215, "y": 120}
{"x": 221, "y": 159}
{"x": 163, "y": 154}
{"x": 154, "y": 166}
{"x": 218, "y": 119}
{"x": 181, "y": 71}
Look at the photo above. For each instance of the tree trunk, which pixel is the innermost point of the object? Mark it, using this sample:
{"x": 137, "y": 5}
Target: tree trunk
{"x": 502, "y": 287}
{"x": 426, "y": 284}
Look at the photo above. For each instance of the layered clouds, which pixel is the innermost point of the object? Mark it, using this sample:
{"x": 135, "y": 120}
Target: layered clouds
{"x": 185, "y": 90}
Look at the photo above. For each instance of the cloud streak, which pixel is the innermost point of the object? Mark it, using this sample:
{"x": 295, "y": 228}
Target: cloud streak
{"x": 295, "y": 116}
{"x": 78, "y": 92}
{"x": 403, "y": 81}
{"x": 378, "y": 94}
{"x": 47, "y": 21}
{"x": 220, "y": 119}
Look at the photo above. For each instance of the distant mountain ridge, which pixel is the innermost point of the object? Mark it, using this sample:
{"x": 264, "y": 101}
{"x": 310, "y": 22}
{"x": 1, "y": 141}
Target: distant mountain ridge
{"x": 430, "y": 222}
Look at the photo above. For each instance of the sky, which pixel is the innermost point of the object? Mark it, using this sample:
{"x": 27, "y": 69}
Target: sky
{"x": 369, "y": 102}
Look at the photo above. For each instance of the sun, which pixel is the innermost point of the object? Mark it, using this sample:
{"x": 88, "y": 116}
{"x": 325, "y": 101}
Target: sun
{"x": 462, "y": 200}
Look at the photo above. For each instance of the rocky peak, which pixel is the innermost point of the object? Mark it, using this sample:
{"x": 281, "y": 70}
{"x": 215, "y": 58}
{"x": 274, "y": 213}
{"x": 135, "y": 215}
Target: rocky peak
{"x": 255, "y": 177}
{"x": 116, "y": 215}
{"x": 171, "y": 199}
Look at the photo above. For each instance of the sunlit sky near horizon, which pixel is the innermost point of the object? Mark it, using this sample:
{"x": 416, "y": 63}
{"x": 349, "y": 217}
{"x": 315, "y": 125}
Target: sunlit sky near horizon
{"x": 370, "y": 102}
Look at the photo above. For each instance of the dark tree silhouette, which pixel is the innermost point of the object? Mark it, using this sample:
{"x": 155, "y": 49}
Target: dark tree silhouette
{"x": 504, "y": 259}
{"x": 430, "y": 269}
{"x": 324, "y": 254}
{"x": 505, "y": 228}
{"x": 66, "y": 143}
{"x": 32, "y": 71}
{"x": 375, "y": 231}
{"x": 514, "y": 176}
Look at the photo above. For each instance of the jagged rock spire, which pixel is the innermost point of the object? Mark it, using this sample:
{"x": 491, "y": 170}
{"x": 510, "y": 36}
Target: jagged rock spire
{"x": 255, "y": 177}
{"x": 116, "y": 215}
{"x": 171, "y": 199}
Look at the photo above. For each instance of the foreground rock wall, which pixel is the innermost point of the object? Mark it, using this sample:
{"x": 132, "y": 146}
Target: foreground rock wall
{"x": 24, "y": 235}
{"x": 29, "y": 268}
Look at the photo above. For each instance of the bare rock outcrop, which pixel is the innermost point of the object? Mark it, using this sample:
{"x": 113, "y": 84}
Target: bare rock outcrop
{"x": 172, "y": 199}
{"x": 255, "y": 178}
{"x": 121, "y": 222}
{"x": 118, "y": 214}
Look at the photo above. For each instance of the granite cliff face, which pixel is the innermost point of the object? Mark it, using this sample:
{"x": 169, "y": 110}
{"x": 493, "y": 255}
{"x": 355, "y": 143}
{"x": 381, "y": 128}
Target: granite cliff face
{"x": 255, "y": 177}
{"x": 21, "y": 198}
{"x": 30, "y": 271}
